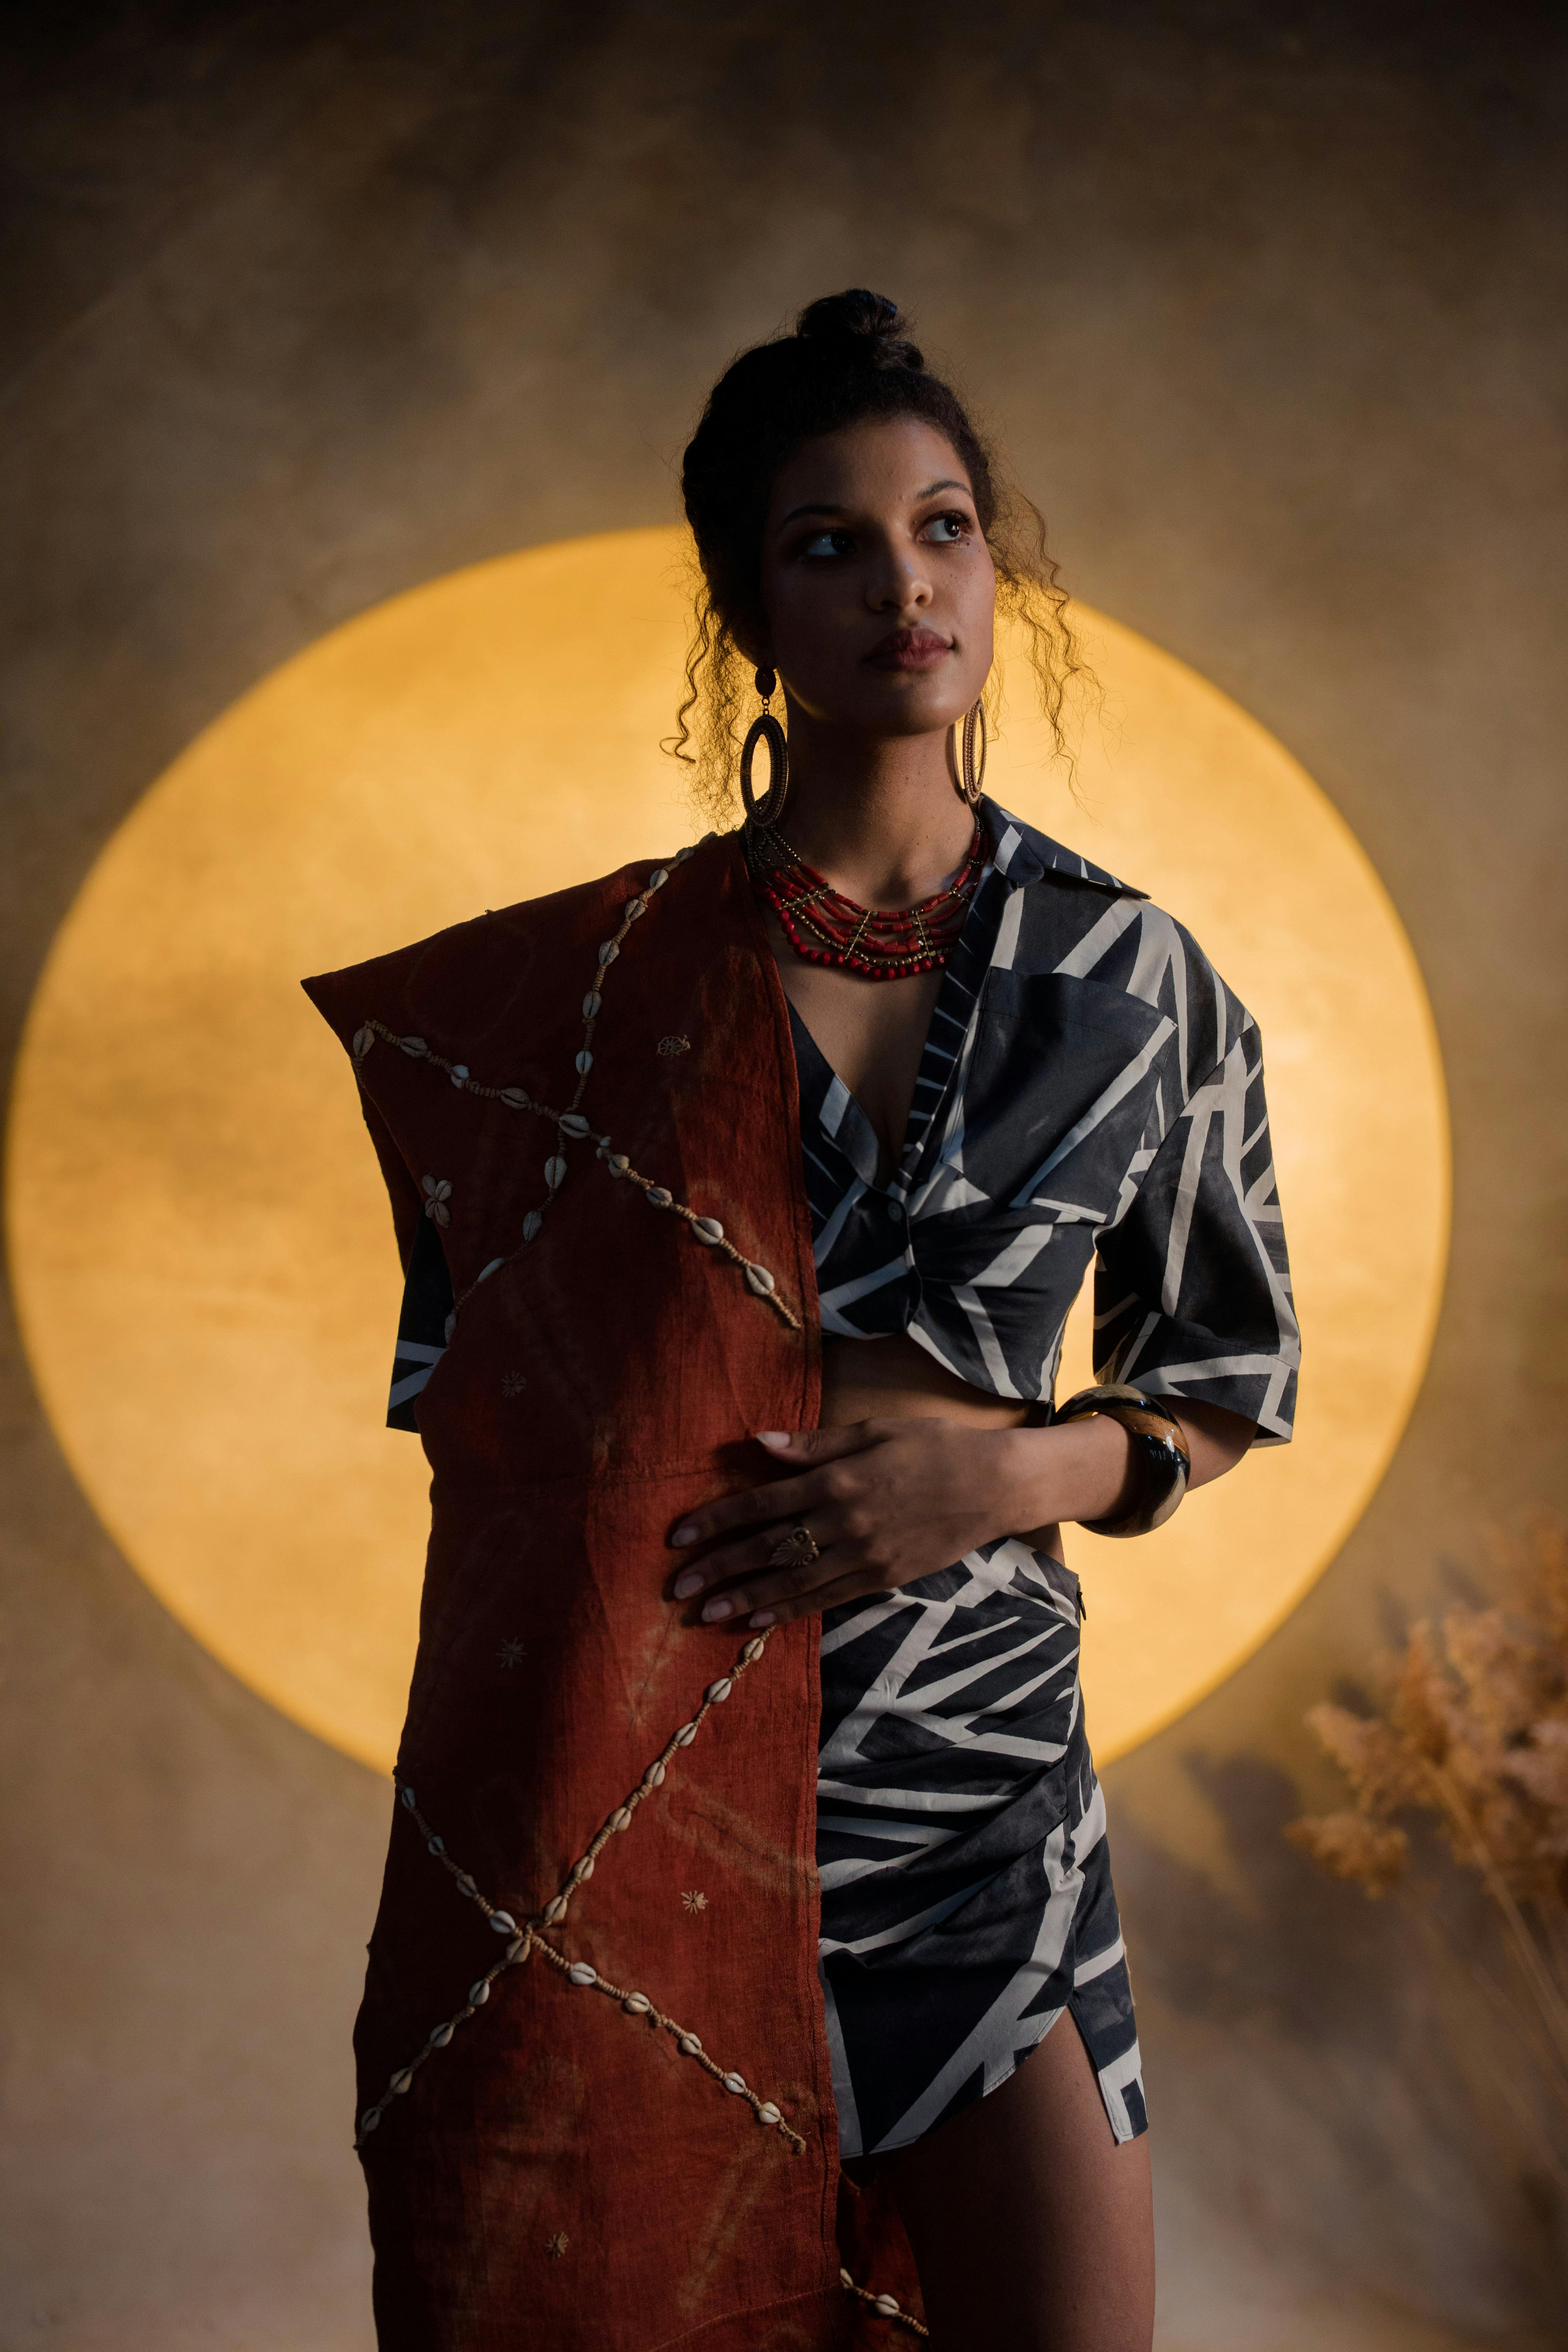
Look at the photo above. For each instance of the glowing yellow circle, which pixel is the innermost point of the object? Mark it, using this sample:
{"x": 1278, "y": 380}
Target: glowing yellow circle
{"x": 202, "y": 1251}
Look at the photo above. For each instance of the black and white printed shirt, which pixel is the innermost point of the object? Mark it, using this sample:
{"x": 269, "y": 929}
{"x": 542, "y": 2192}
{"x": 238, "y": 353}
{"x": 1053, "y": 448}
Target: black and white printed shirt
{"x": 1089, "y": 1089}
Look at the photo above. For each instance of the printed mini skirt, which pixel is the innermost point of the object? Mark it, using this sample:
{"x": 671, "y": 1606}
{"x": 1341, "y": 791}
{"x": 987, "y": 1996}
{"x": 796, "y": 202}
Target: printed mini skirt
{"x": 966, "y": 1894}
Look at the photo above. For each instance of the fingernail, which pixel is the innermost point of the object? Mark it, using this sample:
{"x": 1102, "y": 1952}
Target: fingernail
{"x": 717, "y": 1608}
{"x": 763, "y": 1619}
{"x": 772, "y": 1437}
{"x": 684, "y": 1535}
{"x": 686, "y": 1585}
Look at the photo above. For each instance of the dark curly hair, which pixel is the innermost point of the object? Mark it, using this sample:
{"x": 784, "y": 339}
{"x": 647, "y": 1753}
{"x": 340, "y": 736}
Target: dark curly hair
{"x": 849, "y": 359}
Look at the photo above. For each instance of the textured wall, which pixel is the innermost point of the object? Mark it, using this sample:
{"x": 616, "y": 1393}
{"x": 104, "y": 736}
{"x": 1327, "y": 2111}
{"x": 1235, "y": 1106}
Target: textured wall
{"x": 307, "y": 304}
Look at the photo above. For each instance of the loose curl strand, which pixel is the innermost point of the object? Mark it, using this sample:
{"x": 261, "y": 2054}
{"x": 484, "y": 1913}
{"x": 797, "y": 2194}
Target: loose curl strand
{"x": 848, "y": 360}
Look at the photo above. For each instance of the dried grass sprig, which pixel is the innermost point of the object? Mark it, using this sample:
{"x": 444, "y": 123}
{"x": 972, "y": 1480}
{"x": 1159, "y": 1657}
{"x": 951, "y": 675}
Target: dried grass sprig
{"x": 1474, "y": 1734}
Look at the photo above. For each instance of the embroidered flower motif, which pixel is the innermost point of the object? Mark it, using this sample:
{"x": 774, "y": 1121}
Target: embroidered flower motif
{"x": 437, "y": 1192}
{"x": 557, "y": 2245}
{"x": 512, "y": 1384}
{"x": 511, "y": 1653}
{"x": 696, "y": 1901}
{"x": 673, "y": 1045}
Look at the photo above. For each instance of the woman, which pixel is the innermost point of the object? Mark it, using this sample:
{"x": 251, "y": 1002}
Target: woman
{"x": 754, "y": 1253}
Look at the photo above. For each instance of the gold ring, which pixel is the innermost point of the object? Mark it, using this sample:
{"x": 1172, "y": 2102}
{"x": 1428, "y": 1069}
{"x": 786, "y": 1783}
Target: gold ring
{"x": 796, "y": 1547}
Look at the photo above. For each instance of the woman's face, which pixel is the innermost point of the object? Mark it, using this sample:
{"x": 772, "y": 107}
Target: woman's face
{"x": 877, "y": 582}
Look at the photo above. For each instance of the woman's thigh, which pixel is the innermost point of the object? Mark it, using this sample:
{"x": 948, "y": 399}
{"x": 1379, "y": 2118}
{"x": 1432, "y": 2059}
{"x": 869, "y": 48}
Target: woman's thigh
{"x": 1032, "y": 2230}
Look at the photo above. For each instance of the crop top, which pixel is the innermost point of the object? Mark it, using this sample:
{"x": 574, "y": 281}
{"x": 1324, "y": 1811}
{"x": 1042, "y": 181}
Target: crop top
{"x": 1089, "y": 1089}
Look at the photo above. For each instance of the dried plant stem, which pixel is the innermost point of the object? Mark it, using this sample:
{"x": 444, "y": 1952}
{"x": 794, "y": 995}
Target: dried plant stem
{"x": 1548, "y": 1996}
{"x": 1505, "y": 2013}
{"x": 1554, "y": 1919}
{"x": 1473, "y": 1733}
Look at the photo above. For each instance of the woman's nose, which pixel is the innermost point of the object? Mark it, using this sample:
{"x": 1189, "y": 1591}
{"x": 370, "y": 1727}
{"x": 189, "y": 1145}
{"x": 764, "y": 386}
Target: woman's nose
{"x": 897, "y": 585}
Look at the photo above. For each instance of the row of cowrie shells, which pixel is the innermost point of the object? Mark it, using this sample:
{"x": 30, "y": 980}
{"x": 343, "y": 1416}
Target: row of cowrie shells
{"x": 572, "y": 1124}
{"x": 637, "y": 2004}
{"x": 705, "y": 1230}
{"x": 620, "y": 1820}
{"x": 593, "y": 1003}
{"x": 518, "y": 1097}
{"x": 521, "y": 1942}
{"x": 501, "y": 1921}
{"x": 890, "y": 2308}
{"x": 524, "y": 1940}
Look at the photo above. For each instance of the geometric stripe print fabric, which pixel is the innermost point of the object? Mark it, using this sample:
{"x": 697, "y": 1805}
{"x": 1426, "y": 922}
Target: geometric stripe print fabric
{"x": 1089, "y": 1090}
{"x": 960, "y": 1845}
{"x": 1193, "y": 1282}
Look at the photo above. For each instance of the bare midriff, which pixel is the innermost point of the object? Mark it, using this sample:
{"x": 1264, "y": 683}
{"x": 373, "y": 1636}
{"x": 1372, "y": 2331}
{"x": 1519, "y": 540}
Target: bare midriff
{"x": 893, "y": 1378}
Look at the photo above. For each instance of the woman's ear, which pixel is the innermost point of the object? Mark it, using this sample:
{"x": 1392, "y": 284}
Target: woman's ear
{"x": 754, "y": 647}
{"x": 751, "y": 636}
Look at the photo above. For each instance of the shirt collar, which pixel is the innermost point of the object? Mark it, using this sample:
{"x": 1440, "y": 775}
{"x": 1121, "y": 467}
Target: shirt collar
{"x": 1025, "y": 856}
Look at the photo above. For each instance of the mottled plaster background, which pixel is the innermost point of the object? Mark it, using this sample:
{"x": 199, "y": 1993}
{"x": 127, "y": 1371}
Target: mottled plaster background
{"x": 306, "y": 304}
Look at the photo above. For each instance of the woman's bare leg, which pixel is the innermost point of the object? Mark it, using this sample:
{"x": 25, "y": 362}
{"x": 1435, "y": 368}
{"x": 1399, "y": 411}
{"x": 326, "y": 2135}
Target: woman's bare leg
{"x": 1032, "y": 2230}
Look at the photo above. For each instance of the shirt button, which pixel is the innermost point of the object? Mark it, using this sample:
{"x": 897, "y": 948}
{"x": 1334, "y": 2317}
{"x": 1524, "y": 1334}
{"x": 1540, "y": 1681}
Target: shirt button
{"x": 895, "y": 1210}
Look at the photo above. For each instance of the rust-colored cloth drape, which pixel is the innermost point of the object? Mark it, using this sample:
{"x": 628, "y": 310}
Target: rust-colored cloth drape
{"x": 547, "y": 2163}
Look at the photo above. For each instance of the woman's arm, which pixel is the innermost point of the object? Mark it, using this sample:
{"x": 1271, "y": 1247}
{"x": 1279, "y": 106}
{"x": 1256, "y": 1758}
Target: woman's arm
{"x": 1097, "y": 1480}
{"x": 890, "y": 1501}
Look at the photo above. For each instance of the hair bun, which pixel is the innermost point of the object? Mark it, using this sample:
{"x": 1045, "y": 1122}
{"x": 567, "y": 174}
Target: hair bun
{"x": 869, "y": 321}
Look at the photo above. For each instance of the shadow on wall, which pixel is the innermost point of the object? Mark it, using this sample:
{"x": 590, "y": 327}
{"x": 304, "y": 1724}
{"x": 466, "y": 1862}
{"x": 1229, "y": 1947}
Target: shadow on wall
{"x": 1396, "y": 2141}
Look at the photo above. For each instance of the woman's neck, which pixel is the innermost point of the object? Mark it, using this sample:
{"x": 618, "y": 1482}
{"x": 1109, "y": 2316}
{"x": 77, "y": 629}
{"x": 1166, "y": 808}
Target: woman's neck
{"x": 879, "y": 817}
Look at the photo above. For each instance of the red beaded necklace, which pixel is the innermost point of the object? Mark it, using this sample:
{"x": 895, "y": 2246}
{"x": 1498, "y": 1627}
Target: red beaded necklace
{"x": 880, "y": 943}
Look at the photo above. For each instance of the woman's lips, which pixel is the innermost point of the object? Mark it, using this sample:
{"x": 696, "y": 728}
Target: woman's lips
{"x": 909, "y": 649}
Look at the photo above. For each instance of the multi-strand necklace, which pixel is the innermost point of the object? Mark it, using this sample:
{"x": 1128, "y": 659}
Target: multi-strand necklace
{"x": 880, "y": 943}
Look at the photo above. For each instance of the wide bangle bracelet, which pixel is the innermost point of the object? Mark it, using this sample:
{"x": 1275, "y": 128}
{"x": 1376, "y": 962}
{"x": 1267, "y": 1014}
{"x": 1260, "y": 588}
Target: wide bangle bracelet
{"x": 1160, "y": 1455}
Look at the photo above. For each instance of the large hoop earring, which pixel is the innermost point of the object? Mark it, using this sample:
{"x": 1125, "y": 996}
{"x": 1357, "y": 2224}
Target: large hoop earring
{"x": 765, "y": 728}
{"x": 968, "y": 778}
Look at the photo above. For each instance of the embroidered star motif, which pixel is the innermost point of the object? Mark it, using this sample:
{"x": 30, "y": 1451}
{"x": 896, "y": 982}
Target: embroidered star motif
{"x": 511, "y": 1653}
{"x": 670, "y": 1046}
{"x": 437, "y": 1192}
{"x": 557, "y": 2245}
{"x": 696, "y": 1901}
{"x": 512, "y": 1384}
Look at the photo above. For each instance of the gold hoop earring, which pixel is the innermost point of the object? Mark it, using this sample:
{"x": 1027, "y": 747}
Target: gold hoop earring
{"x": 967, "y": 778}
{"x": 765, "y": 728}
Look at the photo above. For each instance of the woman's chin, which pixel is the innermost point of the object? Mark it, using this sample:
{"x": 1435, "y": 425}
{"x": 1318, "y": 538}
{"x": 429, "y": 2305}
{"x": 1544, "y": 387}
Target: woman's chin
{"x": 898, "y": 703}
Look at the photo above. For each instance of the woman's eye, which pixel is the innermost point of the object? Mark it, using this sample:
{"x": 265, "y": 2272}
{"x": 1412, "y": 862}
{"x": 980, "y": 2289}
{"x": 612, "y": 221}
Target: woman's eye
{"x": 947, "y": 530}
{"x": 827, "y": 542}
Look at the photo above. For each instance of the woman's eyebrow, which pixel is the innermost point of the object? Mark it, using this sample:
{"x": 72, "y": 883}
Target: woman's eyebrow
{"x": 824, "y": 507}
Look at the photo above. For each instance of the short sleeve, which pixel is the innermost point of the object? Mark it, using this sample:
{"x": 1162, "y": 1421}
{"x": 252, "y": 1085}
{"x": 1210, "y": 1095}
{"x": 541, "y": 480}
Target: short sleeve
{"x": 1192, "y": 1289}
{"x": 426, "y": 1285}
{"x": 341, "y": 999}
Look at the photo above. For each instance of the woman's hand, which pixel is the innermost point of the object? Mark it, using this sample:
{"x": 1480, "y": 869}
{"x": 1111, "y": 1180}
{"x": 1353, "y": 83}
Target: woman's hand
{"x": 886, "y": 1502}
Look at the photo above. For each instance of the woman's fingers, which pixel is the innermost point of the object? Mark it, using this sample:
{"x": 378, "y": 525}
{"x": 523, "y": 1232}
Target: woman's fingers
{"x": 785, "y": 1497}
{"x": 822, "y": 1444}
{"x": 750, "y": 1562}
{"x": 770, "y": 1589}
{"x": 827, "y": 1596}
{"x": 788, "y": 1503}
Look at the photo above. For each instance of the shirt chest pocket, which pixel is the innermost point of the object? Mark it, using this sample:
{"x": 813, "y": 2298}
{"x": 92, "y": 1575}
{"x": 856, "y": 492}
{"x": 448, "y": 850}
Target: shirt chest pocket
{"x": 1063, "y": 1075}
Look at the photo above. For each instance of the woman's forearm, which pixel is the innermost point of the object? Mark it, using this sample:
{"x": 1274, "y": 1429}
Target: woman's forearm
{"x": 1084, "y": 1470}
